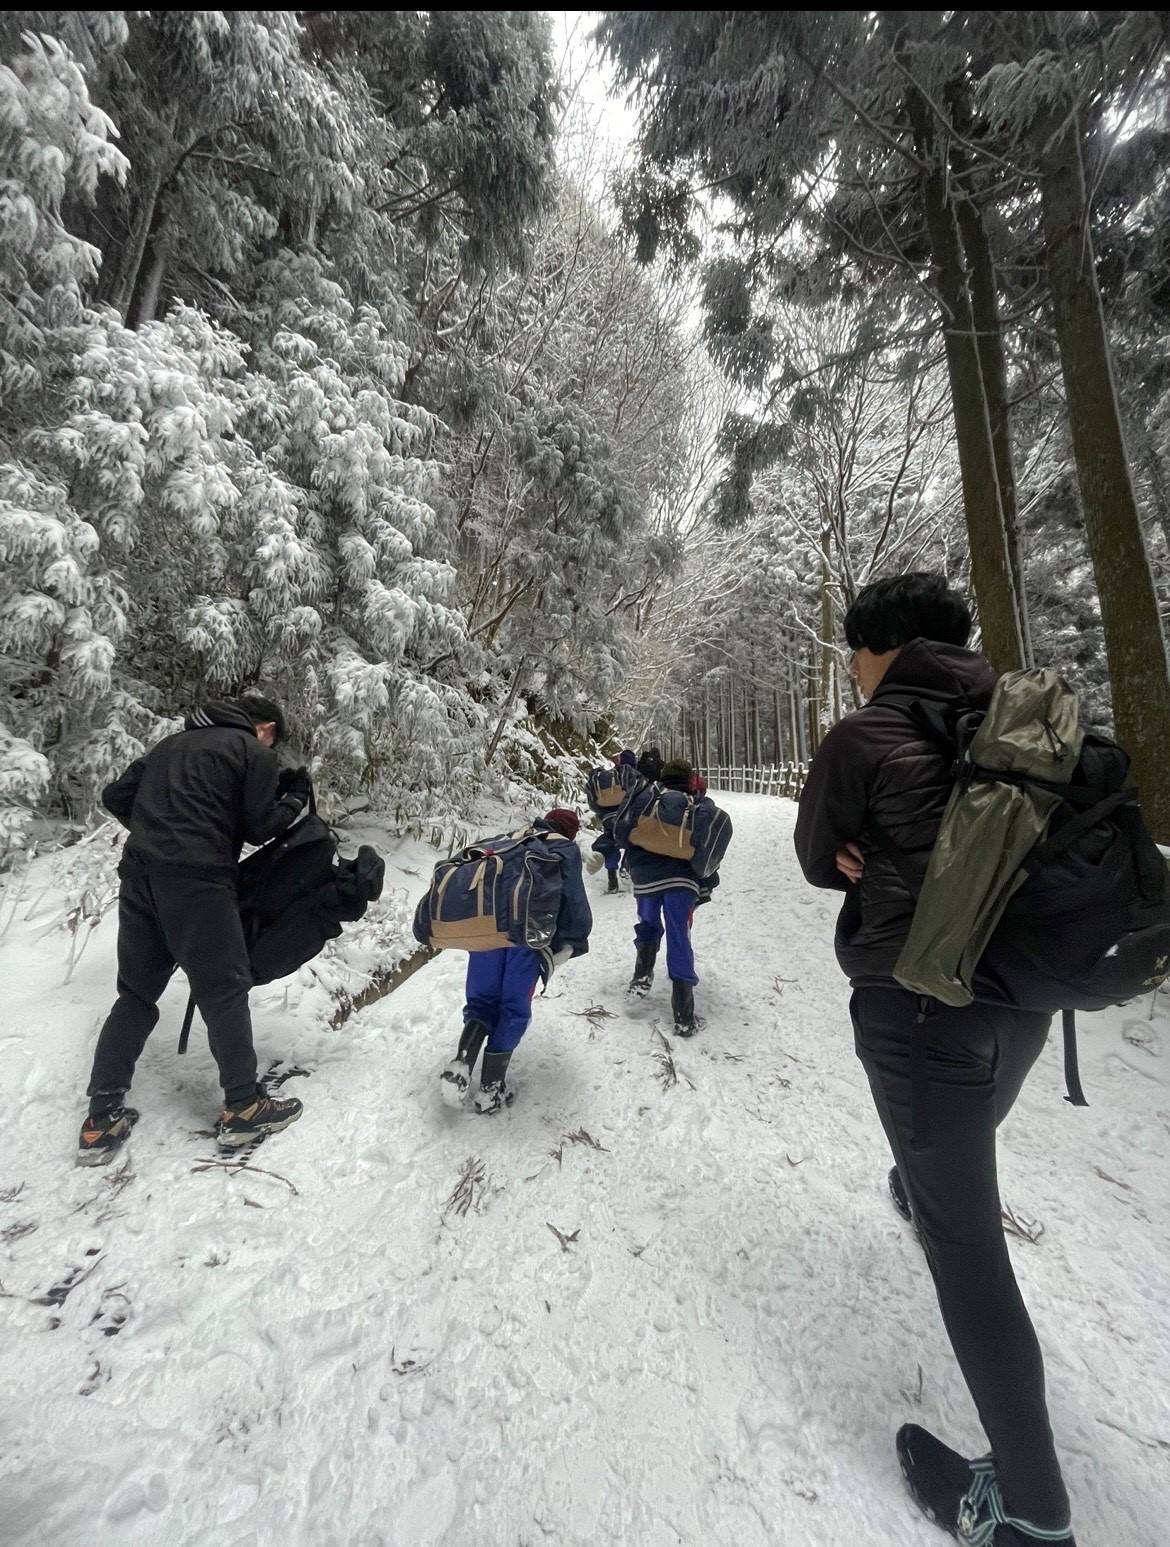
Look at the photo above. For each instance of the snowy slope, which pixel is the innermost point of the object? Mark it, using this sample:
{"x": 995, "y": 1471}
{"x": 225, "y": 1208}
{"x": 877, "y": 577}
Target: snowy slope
{"x": 634, "y": 1308}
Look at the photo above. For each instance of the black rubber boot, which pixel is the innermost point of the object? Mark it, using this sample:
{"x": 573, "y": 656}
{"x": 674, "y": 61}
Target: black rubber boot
{"x": 493, "y": 1093}
{"x": 455, "y": 1080}
{"x": 643, "y": 969}
{"x": 682, "y": 1002}
{"x": 613, "y": 883}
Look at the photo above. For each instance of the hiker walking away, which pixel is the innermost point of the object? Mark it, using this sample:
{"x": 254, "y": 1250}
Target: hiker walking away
{"x": 942, "y": 1077}
{"x": 190, "y": 805}
{"x": 605, "y": 848}
{"x": 501, "y": 983}
{"x": 649, "y": 765}
{"x": 668, "y": 892}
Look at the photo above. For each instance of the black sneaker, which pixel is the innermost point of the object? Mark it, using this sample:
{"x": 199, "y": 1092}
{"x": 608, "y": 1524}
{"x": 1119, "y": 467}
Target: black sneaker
{"x": 103, "y": 1136}
{"x": 243, "y": 1124}
{"x": 963, "y": 1496}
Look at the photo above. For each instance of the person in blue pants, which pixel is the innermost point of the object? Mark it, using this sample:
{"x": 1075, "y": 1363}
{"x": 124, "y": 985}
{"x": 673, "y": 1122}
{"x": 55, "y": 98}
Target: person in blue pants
{"x": 668, "y": 892}
{"x": 501, "y": 983}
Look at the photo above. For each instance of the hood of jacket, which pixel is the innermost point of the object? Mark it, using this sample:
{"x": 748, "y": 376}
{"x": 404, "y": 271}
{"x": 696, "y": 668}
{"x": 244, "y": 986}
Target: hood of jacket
{"x": 219, "y": 711}
{"x": 947, "y": 675}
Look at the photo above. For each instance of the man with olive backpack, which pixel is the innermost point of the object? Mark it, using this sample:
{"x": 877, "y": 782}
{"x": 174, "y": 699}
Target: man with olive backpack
{"x": 995, "y": 869}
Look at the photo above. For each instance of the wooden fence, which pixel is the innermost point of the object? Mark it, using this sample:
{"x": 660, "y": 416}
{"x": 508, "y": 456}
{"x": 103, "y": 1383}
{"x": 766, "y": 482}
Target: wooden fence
{"x": 775, "y": 779}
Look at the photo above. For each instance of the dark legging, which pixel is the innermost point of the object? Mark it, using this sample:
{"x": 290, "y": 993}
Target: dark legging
{"x": 973, "y": 1062}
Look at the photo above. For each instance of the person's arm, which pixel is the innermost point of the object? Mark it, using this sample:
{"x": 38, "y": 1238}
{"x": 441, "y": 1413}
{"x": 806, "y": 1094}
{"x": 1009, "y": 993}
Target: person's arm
{"x": 268, "y": 809}
{"x": 118, "y": 797}
{"x": 833, "y": 807}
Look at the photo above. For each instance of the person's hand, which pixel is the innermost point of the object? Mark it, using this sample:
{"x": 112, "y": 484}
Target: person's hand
{"x": 850, "y": 861}
{"x": 562, "y": 956}
{"x": 594, "y": 863}
{"x": 294, "y": 781}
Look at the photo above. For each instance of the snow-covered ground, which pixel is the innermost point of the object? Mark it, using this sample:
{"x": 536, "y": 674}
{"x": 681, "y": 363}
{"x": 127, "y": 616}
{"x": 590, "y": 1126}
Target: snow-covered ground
{"x": 663, "y": 1299}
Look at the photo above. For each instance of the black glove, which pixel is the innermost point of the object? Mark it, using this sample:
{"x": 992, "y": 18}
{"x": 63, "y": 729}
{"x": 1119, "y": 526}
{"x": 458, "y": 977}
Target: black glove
{"x": 294, "y": 781}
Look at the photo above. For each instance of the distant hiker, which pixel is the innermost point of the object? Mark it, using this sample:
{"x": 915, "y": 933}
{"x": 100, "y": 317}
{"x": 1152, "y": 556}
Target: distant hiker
{"x": 649, "y": 765}
{"x": 942, "y": 1077}
{"x": 668, "y": 888}
{"x": 501, "y": 982}
{"x": 605, "y": 851}
{"x": 190, "y": 804}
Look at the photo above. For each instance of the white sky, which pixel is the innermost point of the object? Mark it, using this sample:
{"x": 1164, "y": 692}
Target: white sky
{"x": 588, "y": 81}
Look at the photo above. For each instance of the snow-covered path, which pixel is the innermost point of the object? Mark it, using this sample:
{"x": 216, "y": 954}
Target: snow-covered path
{"x": 663, "y": 1299}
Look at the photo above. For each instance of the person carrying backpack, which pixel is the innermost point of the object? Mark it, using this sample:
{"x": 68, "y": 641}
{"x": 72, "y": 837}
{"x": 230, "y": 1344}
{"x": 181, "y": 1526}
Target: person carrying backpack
{"x": 501, "y": 982}
{"x": 668, "y": 892}
{"x": 190, "y": 804}
{"x": 605, "y": 848}
{"x": 649, "y": 765}
{"x": 942, "y": 1077}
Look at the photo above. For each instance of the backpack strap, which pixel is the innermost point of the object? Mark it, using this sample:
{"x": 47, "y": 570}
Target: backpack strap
{"x": 185, "y": 1034}
{"x": 899, "y": 860}
{"x": 1072, "y": 1073}
{"x": 1044, "y": 853}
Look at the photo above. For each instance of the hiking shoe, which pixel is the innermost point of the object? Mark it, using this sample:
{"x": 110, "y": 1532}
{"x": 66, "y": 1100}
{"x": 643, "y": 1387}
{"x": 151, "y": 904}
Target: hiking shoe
{"x": 613, "y": 886}
{"x": 264, "y": 1114}
{"x": 103, "y": 1136}
{"x": 898, "y": 1194}
{"x": 963, "y": 1496}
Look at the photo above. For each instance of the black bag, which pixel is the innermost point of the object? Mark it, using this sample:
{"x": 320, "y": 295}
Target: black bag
{"x": 294, "y": 895}
{"x": 1090, "y": 925}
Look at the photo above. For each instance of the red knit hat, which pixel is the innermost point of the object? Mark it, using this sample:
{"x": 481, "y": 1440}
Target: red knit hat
{"x": 566, "y": 822}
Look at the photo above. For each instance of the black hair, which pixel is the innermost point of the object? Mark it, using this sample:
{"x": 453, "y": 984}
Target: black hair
{"x": 920, "y": 605}
{"x": 261, "y": 710}
{"x": 677, "y": 774}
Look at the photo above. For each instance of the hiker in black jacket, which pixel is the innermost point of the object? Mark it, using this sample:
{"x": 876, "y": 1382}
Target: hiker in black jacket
{"x": 190, "y": 805}
{"x": 942, "y": 1078}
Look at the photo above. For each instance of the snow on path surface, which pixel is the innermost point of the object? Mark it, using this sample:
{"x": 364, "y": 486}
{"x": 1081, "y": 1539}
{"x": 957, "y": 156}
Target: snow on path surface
{"x": 663, "y": 1299}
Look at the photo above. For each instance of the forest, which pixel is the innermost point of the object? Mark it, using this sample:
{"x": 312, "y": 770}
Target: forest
{"x": 340, "y": 357}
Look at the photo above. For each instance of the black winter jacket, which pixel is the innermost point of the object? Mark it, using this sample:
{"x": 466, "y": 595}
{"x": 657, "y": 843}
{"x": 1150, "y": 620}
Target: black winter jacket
{"x": 874, "y": 766}
{"x": 194, "y": 800}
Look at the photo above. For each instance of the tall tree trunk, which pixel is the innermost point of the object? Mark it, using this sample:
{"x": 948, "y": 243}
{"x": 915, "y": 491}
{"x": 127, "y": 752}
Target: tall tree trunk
{"x": 991, "y": 570}
{"x": 984, "y": 292}
{"x": 1134, "y": 642}
{"x": 513, "y": 693}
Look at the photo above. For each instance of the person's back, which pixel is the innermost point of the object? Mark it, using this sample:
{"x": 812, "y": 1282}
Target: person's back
{"x": 501, "y": 982}
{"x": 197, "y": 797}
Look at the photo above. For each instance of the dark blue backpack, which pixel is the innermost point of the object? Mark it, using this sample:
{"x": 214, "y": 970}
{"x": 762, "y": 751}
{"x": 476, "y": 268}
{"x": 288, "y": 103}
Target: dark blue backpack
{"x": 607, "y": 788}
{"x": 676, "y": 825}
{"x": 499, "y": 892}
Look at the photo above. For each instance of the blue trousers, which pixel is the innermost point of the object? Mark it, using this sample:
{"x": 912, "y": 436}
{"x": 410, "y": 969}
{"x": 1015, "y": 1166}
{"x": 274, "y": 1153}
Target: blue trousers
{"x": 500, "y": 986}
{"x": 613, "y": 859}
{"x": 677, "y": 909}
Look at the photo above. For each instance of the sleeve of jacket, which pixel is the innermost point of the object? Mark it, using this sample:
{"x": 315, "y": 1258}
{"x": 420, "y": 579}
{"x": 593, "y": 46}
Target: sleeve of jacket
{"x": 264, "y": 814}
{"x": 834, "y": 802}
{"x": 118, "y": 797}
{"x": 574, "y": 918}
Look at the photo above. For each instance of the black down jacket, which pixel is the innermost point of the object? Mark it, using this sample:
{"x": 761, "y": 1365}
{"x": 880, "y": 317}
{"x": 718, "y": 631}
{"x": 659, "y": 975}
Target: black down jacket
{"x": 194, "y": 800}
{"x": 875, "y": 766}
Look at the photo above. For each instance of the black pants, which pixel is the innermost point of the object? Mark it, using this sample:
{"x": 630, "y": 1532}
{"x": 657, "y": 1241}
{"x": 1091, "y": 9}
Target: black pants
{"x": 973, "y": 1063}
{"x": 166, "y": 919}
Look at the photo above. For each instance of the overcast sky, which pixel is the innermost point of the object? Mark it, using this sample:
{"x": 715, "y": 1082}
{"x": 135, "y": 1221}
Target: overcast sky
{"x": 590, "y": 78}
